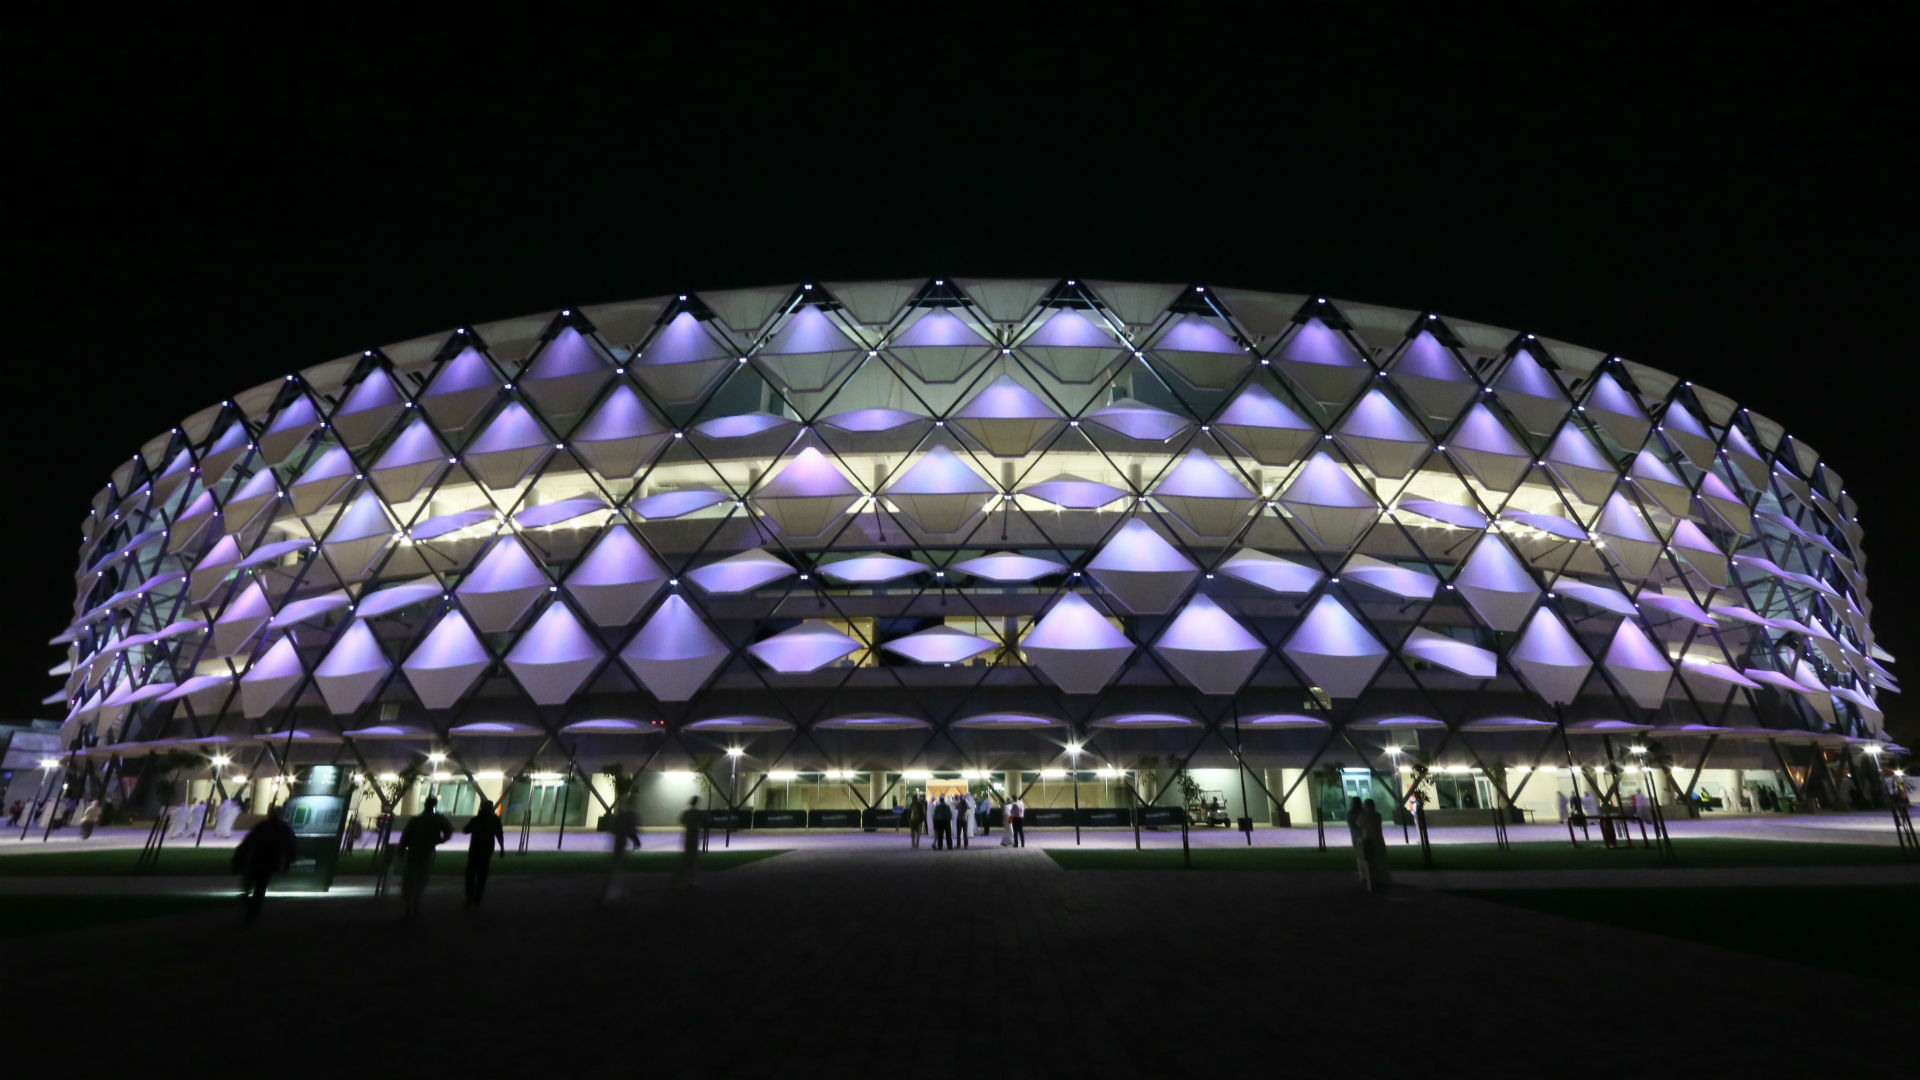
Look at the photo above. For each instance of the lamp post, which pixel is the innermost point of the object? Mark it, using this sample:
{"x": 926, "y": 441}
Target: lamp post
{"x": 1073, "y": 751}
{"x": 733, "y": 791}
{"x": 1399, "y": 797}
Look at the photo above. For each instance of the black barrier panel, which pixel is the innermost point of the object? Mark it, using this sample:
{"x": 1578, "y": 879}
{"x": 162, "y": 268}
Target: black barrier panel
{"x": 1162, "y": 815}
{"x": 1095, "y": 817}
{"x": 883, "y": 818}
{"x": 729, "y": 819}
{"x": 833, "y": 819}
{"x": 1049, "y": 817}
{"x": 779, "y": 819}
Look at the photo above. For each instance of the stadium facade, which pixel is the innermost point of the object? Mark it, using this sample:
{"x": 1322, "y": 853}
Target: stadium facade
{"x": 808, "y": 547}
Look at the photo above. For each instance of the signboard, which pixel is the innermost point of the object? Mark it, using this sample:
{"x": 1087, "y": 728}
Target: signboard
{"x": 729, "y": 819}
{"x": 317, "y": 815}
{"x": 881, "y": 817}
{"x": 833, "y": 819}
{"x": 1039, "y": 817}
{"x": 779, "y": 819}
{"x": 1162, "y": 815}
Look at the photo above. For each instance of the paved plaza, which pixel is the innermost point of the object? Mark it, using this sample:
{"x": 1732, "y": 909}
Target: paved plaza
{"x": 852, "y": 955}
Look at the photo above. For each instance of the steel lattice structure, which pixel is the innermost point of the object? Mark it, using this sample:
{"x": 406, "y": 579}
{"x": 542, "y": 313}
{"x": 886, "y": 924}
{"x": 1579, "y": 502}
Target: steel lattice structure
{"x": 959, "y": 520}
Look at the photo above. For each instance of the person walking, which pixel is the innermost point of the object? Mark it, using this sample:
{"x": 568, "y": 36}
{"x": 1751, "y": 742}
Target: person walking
{"x": 626, "y": 833}
{"x": 1378, "y": 876}
{"x": 89, "y": 819}
{"x": 916, "y": 820}
{"x": 963, "y": 818}
{"x": 1357, "y": 837}
{"x": 229, "y": 813}
{"x": 692, "y": 822}
{"x": 1017, "y": 820}
{"x": 942, "y": 825}
{"x": 983, "y": 814}
{"x": 266, "y": 850}
{"x": 427, "y": 831}
{"x": 14, "y": 812}
{"x": 483, "y": 833}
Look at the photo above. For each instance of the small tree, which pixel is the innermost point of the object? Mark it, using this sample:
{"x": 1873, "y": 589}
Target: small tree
{"x": 1183, "y": 779}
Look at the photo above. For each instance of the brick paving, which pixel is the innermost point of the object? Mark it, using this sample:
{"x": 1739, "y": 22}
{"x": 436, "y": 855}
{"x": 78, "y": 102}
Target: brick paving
{"x": 860, "y": 959}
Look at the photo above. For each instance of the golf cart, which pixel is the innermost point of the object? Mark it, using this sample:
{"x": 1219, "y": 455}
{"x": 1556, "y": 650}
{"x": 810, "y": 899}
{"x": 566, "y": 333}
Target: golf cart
{"x": 1209, "y": 808}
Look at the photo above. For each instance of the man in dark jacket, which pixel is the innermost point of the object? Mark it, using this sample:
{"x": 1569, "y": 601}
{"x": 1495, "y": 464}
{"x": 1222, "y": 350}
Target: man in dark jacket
{"x": 266, "y": 850}
{"x": 483, "y": 832}
{"x": 942, "y": 824}
{"x": 428, "y": 830}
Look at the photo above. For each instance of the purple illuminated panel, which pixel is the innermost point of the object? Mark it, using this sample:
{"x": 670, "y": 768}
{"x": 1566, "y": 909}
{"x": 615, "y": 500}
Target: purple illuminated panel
{"x": 447, "y": 663}
{"x": 940, "y": 645}
{"x": 1678, "y": 606}
{"x": 940, "y": 347}
{"x": 870, "y": 569}
{"x": 1454, "y": 655}
{"x": 1607, "y": 396}
{"x": 740, "y": 573}
{"x": 1007, "y": 418}
{"x": 807, "y": 496}
{"x": 1404, "y": 582}
{"x": 502, "y": 587}
{"x": 1210, "y": 648}
{"x": 554, "y": 658}
{"x": 413, "y": 458}
{"x": 620, "y": 435}
{"x": 1425, "y": 358}
{"x": 743, "y": 426}
{"x": 1594, "y": 596}
{"x": 1074, "y": 493}
{"x": 1270, "y": 572}
{"x": 1068, "y": 329}
{"x": 509, "y": 447}
{"x": 809, "y": 331}
{"x": 682, "y": 341}
{"x": 394, "y": 597}
{"x": 808, "y": 647}
{"x": 1193, "y": 334}
{"x": 352, "y": 670}
{"x": 311, "y": 608}
{"x": 1446, "y": 513}
{"x": 675, "y": 653}
{"x": 1638, "y": 665}
{"x": 673, "y": 504}
{"x": 554, "y": 513}
{"x": 247, "y": 613}
{"x": 1524, "y": 375}
{"x": 870, "y": 421}
{"x": 1137, "y": 421}
{"x": 270, "y": 679}
{"x": 615, "y": 579}
{"x": 1324, "y": 499}
{"x": 1375, "y": 417}
{"x": 1140, "y": 568}
{"x": 940, "y": 493}
{"x": 1204, "y": 496}
{"x": 1549, "y": 658}
{"x": 460, "y": 389}
{"x": 1317, "y": 343}
{"x": 1547, "y": 523}
{"x": 1334, "y": 649}
{"x": 566, "y": 355}
{"x": 436, "y": 527}
{"x": 1262, "y": 425}
{"x": 1484, "y": 445}
{"x": 1075, "y": 647}
{"x": 1005, "y": 566}
{"x": 1497, "y": 584}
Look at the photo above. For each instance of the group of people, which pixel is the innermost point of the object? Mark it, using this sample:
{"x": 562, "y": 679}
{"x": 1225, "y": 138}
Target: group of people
{"x": 1366, "y": 832}
{"x": 189, "y": 818}
{"x": 958, "y": 818}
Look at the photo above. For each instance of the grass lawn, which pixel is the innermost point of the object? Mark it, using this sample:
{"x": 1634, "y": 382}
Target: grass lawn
{"x": 1705, "y": 852}
{"x": 29, "y": 916}
{"x": 211, "y": 862}
{"x": 1821, "y": 926}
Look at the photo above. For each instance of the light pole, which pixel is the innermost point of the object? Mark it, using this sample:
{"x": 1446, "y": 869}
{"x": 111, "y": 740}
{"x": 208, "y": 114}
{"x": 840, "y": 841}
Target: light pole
{"x": 219, "y": 762}
{"x": 733, "y": 791}
{"x": 1073, "y": 750}
{"x": 47, "y": 765}
{"x": 1399, "y": 797}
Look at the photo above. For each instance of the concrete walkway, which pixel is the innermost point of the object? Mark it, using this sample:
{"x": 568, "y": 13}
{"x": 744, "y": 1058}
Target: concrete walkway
{"x": 860, "y": 959}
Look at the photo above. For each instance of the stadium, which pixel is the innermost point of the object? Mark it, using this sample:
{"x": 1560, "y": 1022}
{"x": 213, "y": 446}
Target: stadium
{"x": 810, "y": 548}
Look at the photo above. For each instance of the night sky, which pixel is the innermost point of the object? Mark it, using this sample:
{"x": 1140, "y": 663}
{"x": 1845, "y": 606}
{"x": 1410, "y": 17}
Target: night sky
{"x": 193, "y": 215}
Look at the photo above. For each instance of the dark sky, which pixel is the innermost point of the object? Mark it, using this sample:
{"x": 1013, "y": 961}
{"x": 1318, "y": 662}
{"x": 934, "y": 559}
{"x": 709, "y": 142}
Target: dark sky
{"x": 193, "y": 214}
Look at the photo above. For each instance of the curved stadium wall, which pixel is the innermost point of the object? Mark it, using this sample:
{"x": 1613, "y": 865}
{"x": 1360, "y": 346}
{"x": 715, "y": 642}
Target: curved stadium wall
{"x": 962, "y": 523}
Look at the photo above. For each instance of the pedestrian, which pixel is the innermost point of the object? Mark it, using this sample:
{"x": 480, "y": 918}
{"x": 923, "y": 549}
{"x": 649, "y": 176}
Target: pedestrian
{"x": 196, "y": 817}
{"x": 626, "y": 833}
{"x": 983, "y": 814}
{"x": 1378, "y": 876}
{"x": 916, "y": 820}
{"x": 692, "y": 822}
{"x": 1562, "y": 796}
{"x": 427, "y": 831}
{"x": 14, "y": 812}
{"x": 266, "y": 850}
{"x": 353, "y": 832}
{"x": 89, "y": 818}
{"x": 963, "y": 818}
{"x": 229, "y": 813}
{"x": 1017, "y": 820}
{"x": 942, "y": 825}
{"x": 483, "y": 833}
{"x": 1357, "y": 838}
